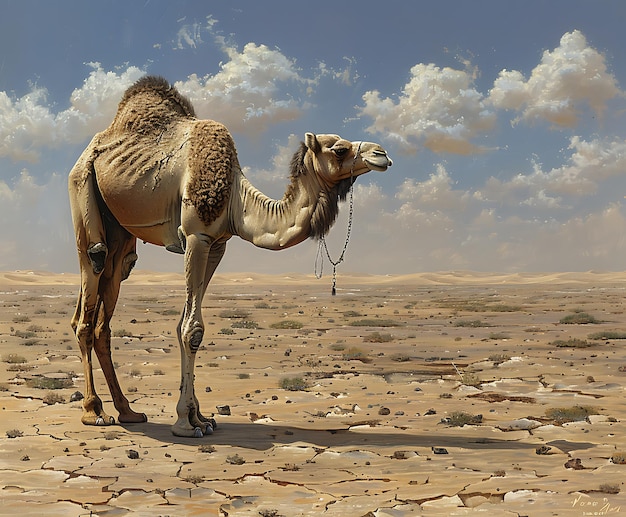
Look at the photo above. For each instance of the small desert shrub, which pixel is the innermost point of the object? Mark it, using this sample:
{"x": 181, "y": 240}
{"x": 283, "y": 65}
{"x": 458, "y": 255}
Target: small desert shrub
{"x": 375, "y": 323}
{"x": 461, "y": 418}
{"x": 501, "y": 307}
{"x": 287, "y": 324}
{"x": 470, "y": 379}
{"x": 158, "y": 371}
{"x": 21, "y": 318}
{"x": 35, "y": 328}
{"x": 169, "y": 312}
{"x": 135, "y": 372}
{"x": 195, "y": 479}
{"x": 294, "y": 384}
{"x": 337, "y": 347}
{"x": 29, "y": 342}
{"x": 471, "y": 323}
{"x": 400, "y": 358}
{"x": 352, "y": 314}
{"x": 14, "y": 359}
{"x": 226, "y": 332}
{"x": 235, "y": 459}
{"x": 578, "y": 318}
{"x": 609, "y": 488}
{"x": 562, "y": 415}
{"x": 261, "y": 305}
{"x": 608, "y": 334}
{"x": 356, "y": 354}
{"x": 377, "y": 337}
{"x": 24, "y": 334}
{"x": 499, "y": 335}
{"x": 53, "y": 398}
{"x": 207, "y": 449}
{"x": 47, "y": 383}
{"x": 245, "y": 324}
{"x": 499, "y": 358}
{"x": 243, "y": 375}
{"x": 14, "y": 433}
{"x": 234, "y": 314}
{"x": 21, "y": 367}
{"x": 120, "y": 333}
{"x": 571, "y": 343}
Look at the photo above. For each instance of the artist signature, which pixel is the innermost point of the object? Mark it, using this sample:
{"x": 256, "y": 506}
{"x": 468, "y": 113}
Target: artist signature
{"x": 590, "y": 506}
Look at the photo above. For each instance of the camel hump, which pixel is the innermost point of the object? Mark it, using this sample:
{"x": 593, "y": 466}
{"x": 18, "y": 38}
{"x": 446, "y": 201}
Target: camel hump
{"x": 150, "y": 105}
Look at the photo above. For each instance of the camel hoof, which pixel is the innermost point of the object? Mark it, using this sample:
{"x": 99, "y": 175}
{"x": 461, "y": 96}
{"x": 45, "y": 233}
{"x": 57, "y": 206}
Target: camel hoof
{"x": 101, "y": 421}
{"x": 197, "y": 433}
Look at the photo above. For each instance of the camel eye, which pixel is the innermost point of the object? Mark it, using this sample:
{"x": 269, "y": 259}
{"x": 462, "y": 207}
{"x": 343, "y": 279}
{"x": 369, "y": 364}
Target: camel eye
{"x": 340, "y": 151}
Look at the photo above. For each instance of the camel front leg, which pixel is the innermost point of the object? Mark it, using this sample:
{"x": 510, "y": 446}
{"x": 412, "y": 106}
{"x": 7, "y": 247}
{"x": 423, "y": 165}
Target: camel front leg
{"x": 190, "y": 334}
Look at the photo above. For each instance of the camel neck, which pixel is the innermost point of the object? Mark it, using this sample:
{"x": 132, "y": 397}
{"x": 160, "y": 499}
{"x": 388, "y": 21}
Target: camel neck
{"x": 275, "y": 224}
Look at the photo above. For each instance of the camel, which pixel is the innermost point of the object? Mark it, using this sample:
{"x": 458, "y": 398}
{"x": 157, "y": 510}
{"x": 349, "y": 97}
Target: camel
{"x": 161, "y": 175}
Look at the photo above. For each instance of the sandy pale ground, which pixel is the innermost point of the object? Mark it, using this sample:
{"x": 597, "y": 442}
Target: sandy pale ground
{"x": 430, "y": 394}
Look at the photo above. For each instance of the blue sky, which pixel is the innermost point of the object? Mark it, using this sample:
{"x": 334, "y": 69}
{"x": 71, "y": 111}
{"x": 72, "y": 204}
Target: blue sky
{"x": 506, "y": 121}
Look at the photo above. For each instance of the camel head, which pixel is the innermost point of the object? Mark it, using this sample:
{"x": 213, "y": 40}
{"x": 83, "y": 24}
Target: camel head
{"x": 335, "y": 158}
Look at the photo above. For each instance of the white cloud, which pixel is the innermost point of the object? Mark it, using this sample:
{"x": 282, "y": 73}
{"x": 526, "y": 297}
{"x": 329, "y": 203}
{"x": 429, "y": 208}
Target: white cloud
{"x": 438, "y": 107}
{"x": 591, "y": 163}
{"x": 570, "y": 76}
{"x": 39, "y": 235}
{"x": 29, "y": 123}
{"x": 441, "y": 109}
{"x": 246, "y": 93}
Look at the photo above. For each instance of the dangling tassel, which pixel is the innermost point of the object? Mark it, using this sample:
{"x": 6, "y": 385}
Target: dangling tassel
{"x": 322, "y": 247}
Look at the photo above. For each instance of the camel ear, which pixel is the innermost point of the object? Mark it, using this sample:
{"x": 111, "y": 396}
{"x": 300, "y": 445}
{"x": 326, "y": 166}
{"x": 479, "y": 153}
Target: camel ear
{"x": 312, "y": 142}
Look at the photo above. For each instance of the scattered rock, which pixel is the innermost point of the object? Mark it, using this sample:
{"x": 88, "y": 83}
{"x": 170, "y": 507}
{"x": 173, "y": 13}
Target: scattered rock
{"x": 384, "y": 411}
{"x": 132, "y": 454}
{"x": 223, "y": 410}
{"x": 574, "y": 463}
{"x": 76, "y": 396}
{"x": 521, "y": 424}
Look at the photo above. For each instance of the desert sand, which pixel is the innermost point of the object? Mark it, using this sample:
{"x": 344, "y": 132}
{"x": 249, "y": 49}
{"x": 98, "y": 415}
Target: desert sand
{"x": 428, "y": 394}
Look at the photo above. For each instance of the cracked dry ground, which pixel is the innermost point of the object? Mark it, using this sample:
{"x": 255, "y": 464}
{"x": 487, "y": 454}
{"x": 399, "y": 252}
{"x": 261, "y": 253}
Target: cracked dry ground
{"x": 424, "y": 395}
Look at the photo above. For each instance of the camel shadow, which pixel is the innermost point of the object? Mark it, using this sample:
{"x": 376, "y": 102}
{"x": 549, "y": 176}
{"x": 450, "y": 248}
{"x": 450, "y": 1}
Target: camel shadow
{"x": 265, "y": 436}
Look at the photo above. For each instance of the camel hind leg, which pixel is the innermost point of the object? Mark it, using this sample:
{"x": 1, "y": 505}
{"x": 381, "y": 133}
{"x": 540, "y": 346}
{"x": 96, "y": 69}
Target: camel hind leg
{"x": 88, "y": 307}
{"x": 120, "y": 261}
{"x": 91, "y": 246}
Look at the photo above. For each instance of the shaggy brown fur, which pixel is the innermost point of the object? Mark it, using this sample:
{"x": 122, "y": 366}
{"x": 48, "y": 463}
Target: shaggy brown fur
{"x": 211, "y": 156}
{"x": 327, "y": 208}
